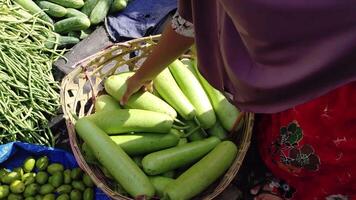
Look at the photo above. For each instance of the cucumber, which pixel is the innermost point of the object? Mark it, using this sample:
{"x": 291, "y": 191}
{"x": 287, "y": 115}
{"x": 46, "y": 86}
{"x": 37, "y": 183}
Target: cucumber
{"x": 118, "y": 5}
{"x": 71, "y": 12}
{"x": 71, "y": 24}
{"x": 175, "y": 157}
{"x": 69, "y": 3}
{"x": 88, "y": 7}
{"x": 169, "y": 90}
{"x": 100, "y": 11}
{"x": 226, "y": 112}
{"x": 65, "y": 41}
{"x": 160, "y": 183}
{"x": 116, "y": 86}
{"x": 132, "y": 120}
{"x": 34, "y": 9}
{"x": 115, "y": 160}
{"x": 61, "y": 41}
{"x": 203, "y": 173}
{"x": 193, "y": 90}
{"x": 106, "y": 102}
{"x": 52, "y": 9}
{"x": 73, "y": 34}
{"x": 218, "y": 131}
{"x": 143, "y": 143}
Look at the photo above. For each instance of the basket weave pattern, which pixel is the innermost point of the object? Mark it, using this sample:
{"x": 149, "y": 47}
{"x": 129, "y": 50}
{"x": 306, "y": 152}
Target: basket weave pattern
{"x": 80, "y": 87}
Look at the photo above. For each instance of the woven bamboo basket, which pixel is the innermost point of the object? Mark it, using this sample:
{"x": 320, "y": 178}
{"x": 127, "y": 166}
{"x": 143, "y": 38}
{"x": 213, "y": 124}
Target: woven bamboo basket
{"x": 80, "y": 88}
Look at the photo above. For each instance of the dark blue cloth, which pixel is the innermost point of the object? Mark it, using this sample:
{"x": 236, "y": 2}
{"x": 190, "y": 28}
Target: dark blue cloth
{"x": 13, "y": 154}
{"x": 138, "y": 18}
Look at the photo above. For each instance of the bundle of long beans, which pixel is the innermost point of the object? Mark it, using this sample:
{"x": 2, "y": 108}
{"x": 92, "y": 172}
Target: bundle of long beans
{"x": 28, "y": 92}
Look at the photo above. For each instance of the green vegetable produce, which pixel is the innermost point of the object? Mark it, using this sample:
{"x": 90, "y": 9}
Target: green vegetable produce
{"x": 10, "y": 177}
{"x": 175, "y": 157}
{"x": 28, "y": 178}
{"x": 75, "y": 195}
{"x": 69, "y": 3}
{"x": 88, "y": 194}
{"x": 138, "y": 144}
{"x": 106, "y": 172}
{"x": 71, "y": 24}
{"x": 52, "y": 9}
{"x": 31, "y": 190}
{"x": 106, "y": 102}
{"x": 34, "y": 9}
{"x": 138, "y": 161}
{"x": 13, "y": 196}
{"x": 194, "y": 132}
{"x": 57, "y": 179}
{"x": 3, "y": 172}
{"x": 41, "y": 177}
{"x": 134, "y": 181}
{"x": 17, "y": 187}
{"x": 29, "y": 164}
{"x": 78, "y": 185}
{"x": 71, "y": 12}
{"x": 29, "y": 92}
{"x": 116, "y": 86}
{"x": 88, "y": 7}
{"x": 55, "y": 167}
{"x": 38, "y": 197}
{"x": 131, "y": 120}
{"x": 218, "y": 131}
{"x": 76, "y": 173}
{"x": 87, "y": 154}
{"x": 160, "y": 183}
{"x": 42, "y": 163}
{"x": 198, "y": 177}
{"x": 63, "y": 197}
{"x": 87, "y": 180}
{"x": 4, "y": 191}
{"x": 100, "y": 11}
{"x": 118, "y": 5}
{"x": 30, "y": 198}
{"x": 49, "y": 197}
{"x": 169, "y": 90}
{"x": 64, "y": 189}
{"x": 19, "y": 170}
{"x": 169, "y": 174}
{"x": 67, "y": 176}
{"x": 46, "y": 189}
{"x": 182, "y": 141}
{"x": 194, "y": 91}
{"x": 226, "y": 112}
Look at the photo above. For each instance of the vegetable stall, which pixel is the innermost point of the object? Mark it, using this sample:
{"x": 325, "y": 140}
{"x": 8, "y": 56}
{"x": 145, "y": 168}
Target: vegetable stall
{"x": 183, "y": 140}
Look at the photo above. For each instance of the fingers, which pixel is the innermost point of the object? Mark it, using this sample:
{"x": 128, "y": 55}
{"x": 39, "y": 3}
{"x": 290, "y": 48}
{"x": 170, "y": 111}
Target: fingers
{"x": 125, "y": 98}
{"x": 129, "y": 91}
{"x": 148, "y": 86}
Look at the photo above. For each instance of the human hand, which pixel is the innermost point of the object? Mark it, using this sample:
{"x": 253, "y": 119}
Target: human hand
{"x": 133, "y": 84}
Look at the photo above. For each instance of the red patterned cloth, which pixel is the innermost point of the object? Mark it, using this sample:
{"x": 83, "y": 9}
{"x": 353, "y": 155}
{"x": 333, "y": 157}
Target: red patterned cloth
{"x": 313, "y": 146}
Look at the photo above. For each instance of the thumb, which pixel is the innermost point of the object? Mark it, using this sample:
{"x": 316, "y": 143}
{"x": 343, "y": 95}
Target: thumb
{"x": 125, "y": 98}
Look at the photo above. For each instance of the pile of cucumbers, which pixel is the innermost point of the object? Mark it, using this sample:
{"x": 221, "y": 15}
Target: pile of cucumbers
{"x": 171, "y": 143}
{"x": 73, "y": 20}
{"x": 41, "y": 180}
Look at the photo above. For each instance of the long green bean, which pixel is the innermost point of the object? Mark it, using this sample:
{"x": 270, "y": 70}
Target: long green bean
{"x": 28, "y": 92}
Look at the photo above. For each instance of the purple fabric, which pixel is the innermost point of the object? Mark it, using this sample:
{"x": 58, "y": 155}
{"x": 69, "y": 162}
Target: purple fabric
{"x": 274, "y": 54}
